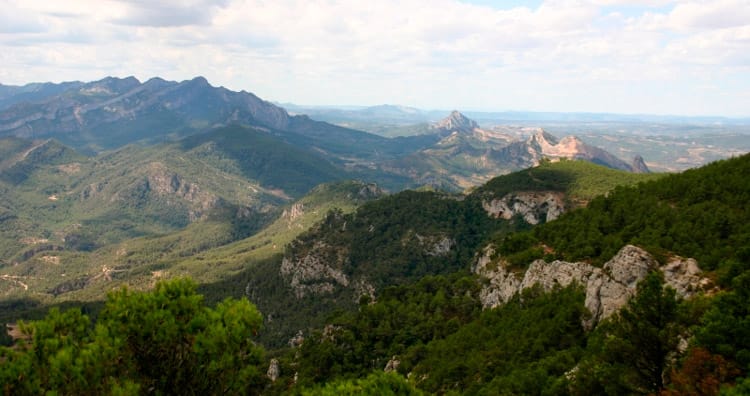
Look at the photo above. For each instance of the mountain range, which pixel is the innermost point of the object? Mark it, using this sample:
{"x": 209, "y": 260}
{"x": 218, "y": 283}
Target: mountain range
{"x": 89, "y": 166}
{"x": 113, "y": 112}
{"x": 500, "y": 260}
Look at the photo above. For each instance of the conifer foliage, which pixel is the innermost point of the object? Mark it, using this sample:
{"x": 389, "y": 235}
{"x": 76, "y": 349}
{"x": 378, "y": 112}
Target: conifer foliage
{"x": 164, "y": 342}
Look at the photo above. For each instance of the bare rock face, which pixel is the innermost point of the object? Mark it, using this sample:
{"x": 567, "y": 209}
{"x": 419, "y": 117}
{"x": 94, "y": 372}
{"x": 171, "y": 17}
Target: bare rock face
{"x": 163, "y": 182}
{"x": 369, "y": 191}
{"x": 503, "y": 284}
{"x": 315, "y": 272}
{"x": 435, "y": 245}
{"x": 607, "y": 289}
{"x": 543, "y": 145}
{"x": 685, "y": 276}
{"x": 392, "y": 364}
{"x": 297, "y": 340}
{"x": 293, "y": 213}
{"x": 273, "y": 370}
{"x": 363, "y": 288}
{"x": 639, "y": 165}
{"x": 630, "y": 265}
{"x": 532, "y": 206}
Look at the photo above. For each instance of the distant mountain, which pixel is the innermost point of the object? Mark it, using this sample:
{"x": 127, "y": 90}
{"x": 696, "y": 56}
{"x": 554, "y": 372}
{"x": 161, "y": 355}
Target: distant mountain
{"x": 112, "y": 112}
{"x": 454, "y": 153}
{"x": 391, "y": 114}
{"x": 34, "y": 92}
{"x": 456, "y": 122}
{"x": 467, "y": 155}
{"x": 543, "y": 145}
{"x": 386, "y": 113}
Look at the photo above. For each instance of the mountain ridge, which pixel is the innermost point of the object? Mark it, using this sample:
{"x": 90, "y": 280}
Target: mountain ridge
{"x": 467, "y": 155}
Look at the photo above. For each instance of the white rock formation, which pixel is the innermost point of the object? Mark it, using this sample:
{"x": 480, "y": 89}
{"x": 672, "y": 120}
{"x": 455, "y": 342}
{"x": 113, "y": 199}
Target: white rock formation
{"x": 532, "y": 206}
{"x": 392, "y": 364}
{"x": 607, "y": 289}
{"x": 296, "y": 211}
{"x": 315, "y": 272}
{"x": 435, "y": 245}
{"x": 273, "y": 370}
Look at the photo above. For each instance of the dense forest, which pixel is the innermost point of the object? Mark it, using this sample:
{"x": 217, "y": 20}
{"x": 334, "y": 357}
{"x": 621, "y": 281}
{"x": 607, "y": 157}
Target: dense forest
{"x": 425, "y": 331}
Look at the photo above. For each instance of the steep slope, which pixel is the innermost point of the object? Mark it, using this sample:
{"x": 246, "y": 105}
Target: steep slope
{"x": 570, "y": 306}
{"x": 260, "y": 156}
{"x": 208, "y": 250}
{"x": 21, "y": 157}
{"x": 403, "y": 237}
{"x": 76, "y": 203}
{"x": 112, "y": 112}
{"x": 699, "y": 213}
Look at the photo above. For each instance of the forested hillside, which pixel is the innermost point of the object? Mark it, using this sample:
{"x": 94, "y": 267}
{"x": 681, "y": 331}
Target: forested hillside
{"x": 399, "y": 239}
{"x": 436, "y": 332}
{"x": 700, "y": 213}
{"x": 394, "y": 292}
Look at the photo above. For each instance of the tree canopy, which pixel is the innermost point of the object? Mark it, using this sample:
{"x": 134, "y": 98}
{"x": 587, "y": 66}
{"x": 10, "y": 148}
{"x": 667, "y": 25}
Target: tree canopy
{"x": 162, "y": 342}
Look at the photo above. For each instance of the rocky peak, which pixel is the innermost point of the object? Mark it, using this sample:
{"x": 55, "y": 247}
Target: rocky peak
{"x": 457, "y": 122}
{"x": 639, "y": 165}
{"x": 156, "y": 83}
{"x": 542, "y": 139}
{"x": 110, "y": 85}
{"x": 200, "y": 81}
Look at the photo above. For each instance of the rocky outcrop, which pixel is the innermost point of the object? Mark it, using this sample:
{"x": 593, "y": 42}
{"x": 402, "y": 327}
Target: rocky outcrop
{"x": 363, "y": 288}
{"x": 319, "y": 271}
{"x": 315, "y": 272}
{"x": 684, "y": 276}
{"x": 543, "y": 145}
{"x": 163, "y": 182}
{"x": 297, "y": 340}
{"x": 607, "y": 289}
{"x": 435, "y": 245}
{"x": 392, "y": 364}
{"x": 294, "y": 212}
{"x": 639, "y": 165}
{"x": 533, "y": 207}
{"x": 273, "y": 370}
{"x": 367, "y": 192}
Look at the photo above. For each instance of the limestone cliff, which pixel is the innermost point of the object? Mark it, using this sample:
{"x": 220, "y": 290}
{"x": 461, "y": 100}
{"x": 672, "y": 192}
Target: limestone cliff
{"x": 318, "y": 267}
{"x": 317, "y": 271}
{"x": 607, "y": 289}
{"x": 534, "y": 207}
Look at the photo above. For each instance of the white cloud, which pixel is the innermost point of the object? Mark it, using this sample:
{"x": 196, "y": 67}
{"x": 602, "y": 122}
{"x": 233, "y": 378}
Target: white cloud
{"x": 710, "y": 15}
{"x": 440, "y": 53}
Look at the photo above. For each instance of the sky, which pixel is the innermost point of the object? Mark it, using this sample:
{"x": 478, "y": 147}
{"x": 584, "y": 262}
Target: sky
{"x": 603, "y": 56}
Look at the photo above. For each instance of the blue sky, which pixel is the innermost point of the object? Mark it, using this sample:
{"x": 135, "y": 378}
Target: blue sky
{"x": 617, "y": 56}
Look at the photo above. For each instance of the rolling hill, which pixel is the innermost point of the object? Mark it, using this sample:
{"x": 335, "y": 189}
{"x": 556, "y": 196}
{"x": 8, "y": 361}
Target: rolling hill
{"x": 55, "y": 198}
